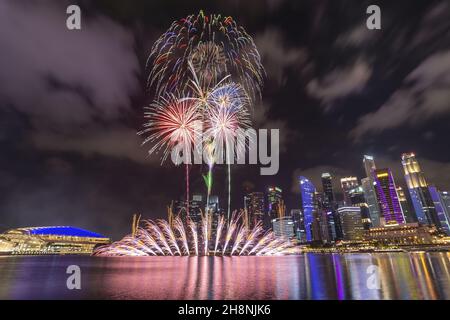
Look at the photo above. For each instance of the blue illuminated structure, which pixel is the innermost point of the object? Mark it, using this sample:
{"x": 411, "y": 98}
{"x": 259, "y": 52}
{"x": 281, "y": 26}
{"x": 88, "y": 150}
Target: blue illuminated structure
{"x": 63, "y": 231}
{"x": 307, "y": 191}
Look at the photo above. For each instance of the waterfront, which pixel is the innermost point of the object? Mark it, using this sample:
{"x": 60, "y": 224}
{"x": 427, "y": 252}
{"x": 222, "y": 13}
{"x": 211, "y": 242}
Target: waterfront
{"x": 308, "y": 276}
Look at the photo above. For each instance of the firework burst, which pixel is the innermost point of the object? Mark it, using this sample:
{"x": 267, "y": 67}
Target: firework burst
{"x": 214, "y": 45}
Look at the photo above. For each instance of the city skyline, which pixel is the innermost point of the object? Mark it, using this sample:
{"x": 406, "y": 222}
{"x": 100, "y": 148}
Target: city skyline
{"x": 70, "y": 152}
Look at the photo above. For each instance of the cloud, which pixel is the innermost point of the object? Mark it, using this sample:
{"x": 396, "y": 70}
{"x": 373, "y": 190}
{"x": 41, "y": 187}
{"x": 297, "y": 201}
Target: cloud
{"x": 261, "y": 120}
{"x": 424, "y": 94}
{"x": 64, "y": 81}
{"x": 340, "y": 82}
{"x": 116, "y": 142}
{"x": 277, "y": 56}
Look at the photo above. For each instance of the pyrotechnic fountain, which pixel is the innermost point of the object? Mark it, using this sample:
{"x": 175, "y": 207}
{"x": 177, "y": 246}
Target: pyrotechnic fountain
{"x": 159, "y": 238}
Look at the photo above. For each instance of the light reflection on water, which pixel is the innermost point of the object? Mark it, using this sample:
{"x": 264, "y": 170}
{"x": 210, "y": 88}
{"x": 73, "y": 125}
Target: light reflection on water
{"x": 309, "y": 276}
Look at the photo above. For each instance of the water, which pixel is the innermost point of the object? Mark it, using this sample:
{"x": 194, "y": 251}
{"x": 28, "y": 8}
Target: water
{"x": 309, "y": 276}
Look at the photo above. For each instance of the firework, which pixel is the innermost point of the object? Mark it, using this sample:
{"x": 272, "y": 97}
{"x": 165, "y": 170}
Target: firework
{"x": 159, "y": 238}
{"x": 172, "y": 122}
{"x": 214, "y": 45}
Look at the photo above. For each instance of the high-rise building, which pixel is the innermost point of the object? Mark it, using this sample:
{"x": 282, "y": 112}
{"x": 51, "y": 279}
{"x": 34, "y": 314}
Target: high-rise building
{"x": 308, "y": 207}
{"x": 357, "y": 199}
{"x": 351, "y": 222}
{"x": 329, "y": 204}
{"x": 348, "y": 183}
{"x": 418, "y": 190}
{"x": 323, "y": 220}
{"x": 409, "y": 216}
{"x": 445, "y": 196}
{"x": 283, "y": 227}
{"x": 441, "y": 209}
{"x": 274, "y": 202}
{"x": 369, "y": 165}
{"x": 254, "y": 204}
{"x": 391, "y": 211}
{"x": 299, "y": 224}
{"x": 369, "y": 190}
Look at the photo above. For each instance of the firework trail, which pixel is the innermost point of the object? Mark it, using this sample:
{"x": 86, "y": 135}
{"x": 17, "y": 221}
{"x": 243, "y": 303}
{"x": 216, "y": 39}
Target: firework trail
{"x": 227, "y": 116}
{"x": 214, "y": 45}
{"x": 179, "y": 227}
{"x": 169, "y": 234}
{"x": 220, "y": 225}
{"x": 193, "y": 227}
{"x": 159, "y": 238}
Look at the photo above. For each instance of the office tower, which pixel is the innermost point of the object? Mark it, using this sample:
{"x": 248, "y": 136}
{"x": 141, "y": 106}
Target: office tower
{"x": 299, "y": 224}
{"x": 409, "y": 216}
{"x": 369, "y": 165}
{"x": 357, "y": 199}
{"x": 275, "y": 202}
{"x": 418, "y": 190}
{"x": 324, "y": 224}
{"x": 329, "y": 202}
{"x": 213, "y": 205}
{"x": 348, "y": 183}
{"x": 254, "y": 204}
{"x": 283, "y": 227}
{"x": 441, "y": 209}
{"x": 445, "y": 196}
{"x": 351, "y": 222}
{"x": 308, "y": 207}
{"x": 369, "y": 191}
{"x": 391, "y": 211}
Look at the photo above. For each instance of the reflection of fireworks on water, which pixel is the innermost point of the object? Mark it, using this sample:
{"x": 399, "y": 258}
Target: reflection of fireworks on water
{"x": 159, "y": 238}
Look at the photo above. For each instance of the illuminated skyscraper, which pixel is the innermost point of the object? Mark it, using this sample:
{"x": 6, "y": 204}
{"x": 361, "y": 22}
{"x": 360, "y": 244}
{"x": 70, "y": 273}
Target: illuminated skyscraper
{"x": 358, "y": 200}
{"x": 418, "y": 190}
{"x": 299, "y": 224}
{"x": 369, "y": 191}
{"x": 329, "y": 204}
{"x": 391, "y": 211}
{"x": 409, "y": 215}
{"x": 254, "y": 203}
{"x": 441, "y": 209}
{"x": 307, "y": 194}
{"x": 275, "y": 202}
{"x": 351, "y": 221}
{"x": 347, "y": 184}
{"x": 369, "y": 165}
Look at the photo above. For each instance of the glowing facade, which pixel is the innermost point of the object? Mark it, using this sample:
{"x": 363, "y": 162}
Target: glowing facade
{"x": 418, "y": 190}
{"x": 369, "y": 191}
{"x": 307, "y": 192}
{"x": 391, "y": 211}
{"x": 50, "y": 240}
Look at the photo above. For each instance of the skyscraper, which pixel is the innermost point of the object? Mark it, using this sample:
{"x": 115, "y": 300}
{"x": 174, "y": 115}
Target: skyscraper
{"x": 369, "y": 191}
{"x": 329, "y": 204}
{"x": 307, "y": 202}
{"x": 348, "y": 183}
{"x": 299, "y": 224}
{"x": 274, "y": 201}
{"x": 369, "y": 165}
{"x": 445, "y": 196}
{"x": 358, "y": 200}
{"x": 254, "y": 203}
{"x": 418, "y": 190}
{"x": 409, "y": 216}
{"x": 391, "y": 211}
{"x": 351, "y": 221}
{"x": 441, "y": 209}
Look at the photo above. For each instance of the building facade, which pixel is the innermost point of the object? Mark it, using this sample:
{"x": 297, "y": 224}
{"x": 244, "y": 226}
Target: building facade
{"x": 418, "y": 190}
{"x": 391, "y": 211}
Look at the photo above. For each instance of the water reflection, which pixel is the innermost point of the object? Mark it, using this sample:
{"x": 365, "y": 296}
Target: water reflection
{"x": 309, "y": 276}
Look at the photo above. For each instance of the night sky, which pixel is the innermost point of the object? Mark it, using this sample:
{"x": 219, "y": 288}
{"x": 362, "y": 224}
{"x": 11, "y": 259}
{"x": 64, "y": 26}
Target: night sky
{"x": 71, "y": 102}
